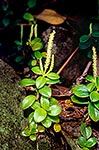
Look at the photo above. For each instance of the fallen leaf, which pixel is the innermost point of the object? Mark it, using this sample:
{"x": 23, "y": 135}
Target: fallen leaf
{"x": 51, "y": 16}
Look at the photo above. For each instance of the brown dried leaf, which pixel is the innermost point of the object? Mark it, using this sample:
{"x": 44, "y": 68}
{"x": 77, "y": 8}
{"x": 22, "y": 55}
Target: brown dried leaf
{"x": 51, "y": 16}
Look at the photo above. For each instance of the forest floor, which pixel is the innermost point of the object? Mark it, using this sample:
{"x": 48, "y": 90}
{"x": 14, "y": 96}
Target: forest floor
{"x": 70, "y": 64}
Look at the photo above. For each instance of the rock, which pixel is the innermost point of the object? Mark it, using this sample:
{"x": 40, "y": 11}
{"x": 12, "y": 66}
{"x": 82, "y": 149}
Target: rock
{"x": 65, "y": 42}
{"x": 12, "y": 120}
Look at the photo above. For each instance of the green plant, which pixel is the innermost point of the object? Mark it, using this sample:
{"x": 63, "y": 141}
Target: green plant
{"x": 89, "y": 93}
{"x": 34, "y": 42}
{"x": 87, "y": 41}
{"x": 45, "y": 109}
{"x": 9, "y": 14}
{"x": 86, "y": 141}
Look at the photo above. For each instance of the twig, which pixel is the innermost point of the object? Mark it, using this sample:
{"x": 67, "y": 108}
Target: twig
{"x": 79, "y": 79}
{"x": 67, "y": 61}
{"x": 87, "y": 68}
{"x": 24, "y": 24}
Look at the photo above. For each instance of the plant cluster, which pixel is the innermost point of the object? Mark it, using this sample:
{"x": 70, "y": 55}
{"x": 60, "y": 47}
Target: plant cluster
{"x": 87, "y": 41}
{"x": 8, "y": 13}
{"x": 45, "y": 109}
{"x": 88, "y": 93}
{"x": 86, "y": 141}
{"x": 34, "y": 43}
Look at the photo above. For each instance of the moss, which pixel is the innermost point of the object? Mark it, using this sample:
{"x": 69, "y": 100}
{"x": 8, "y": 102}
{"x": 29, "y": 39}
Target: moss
{"x": 12, "y": 120}
{"x": 43, "y": 142}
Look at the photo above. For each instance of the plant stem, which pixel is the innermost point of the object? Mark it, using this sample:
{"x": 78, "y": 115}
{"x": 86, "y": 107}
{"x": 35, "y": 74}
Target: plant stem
{"x": 21, "y": 35}
{"x": 31, "y": 32}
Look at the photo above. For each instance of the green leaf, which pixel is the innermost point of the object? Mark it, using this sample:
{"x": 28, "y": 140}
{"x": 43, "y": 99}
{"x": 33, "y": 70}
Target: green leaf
{"x": 29, "y": 63}
{"x": 34, "y": 62}
{"x": 53, "y": 101}
{"x": 57, "y": 127}
{"x": 44, "y": 54}
{"x": 50, "y": 81}
{"x": 41, "y": 128}
{"x": 6, "y": 22}
{"x": 84, "y": 38}
{"x": 44, "y": 102}
{"x": 35, "y": 40}
{"x": 90, "y": 78}
{"x": 18, "y": 42}
{"x": 94, "y": 96}
{"x": 5, "y": 6}
{"x": 19, "y": 48}
{"x": 45, "y": 91}
{"x": 93, "y": 112}
{"x": 85, "y": 148}
{"x": 33, "y": 127}
{"x": 39, "y": 114}
{"x": 31, "y": 3}
{"x": 96, "y": 104}
{"x": 91, "y": 142}
{"x": 85, "y": 42}
{"x": 53, "y": 76}
{"x": 97, "y": 83}
{"x": 79, "y": 100}
{"x": 28, "y": 101}
{"x": 95, "y": 26}
{"x": 19, "y": 59}
{"x": 26, "y": 132}
{"x": 33, "y": 137}
{"x": 46, "y": 122}
{"x": 86, "y": 131}
{"x": 54, "y": 119}
{"x": 81, "y": 91}
{"x": 91, "y": 86}
{"x": 82, "y": 141}
{"x": 35, "y": 105}
{"x": 40, "y": 82}
{"x": 54, "y": 110}
{"x": 37, "y": 54}
{"x": 95, "y": 34}
{"x": 28, "y": 16}
{"x": 37, "y": 46}
{"x": 36, "y": 70}
{"x": 27, "y": 82}
{"x": 31, "y": 117}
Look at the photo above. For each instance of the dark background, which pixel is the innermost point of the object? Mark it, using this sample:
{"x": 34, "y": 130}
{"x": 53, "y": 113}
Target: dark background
{"x": 83, "y": 9}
